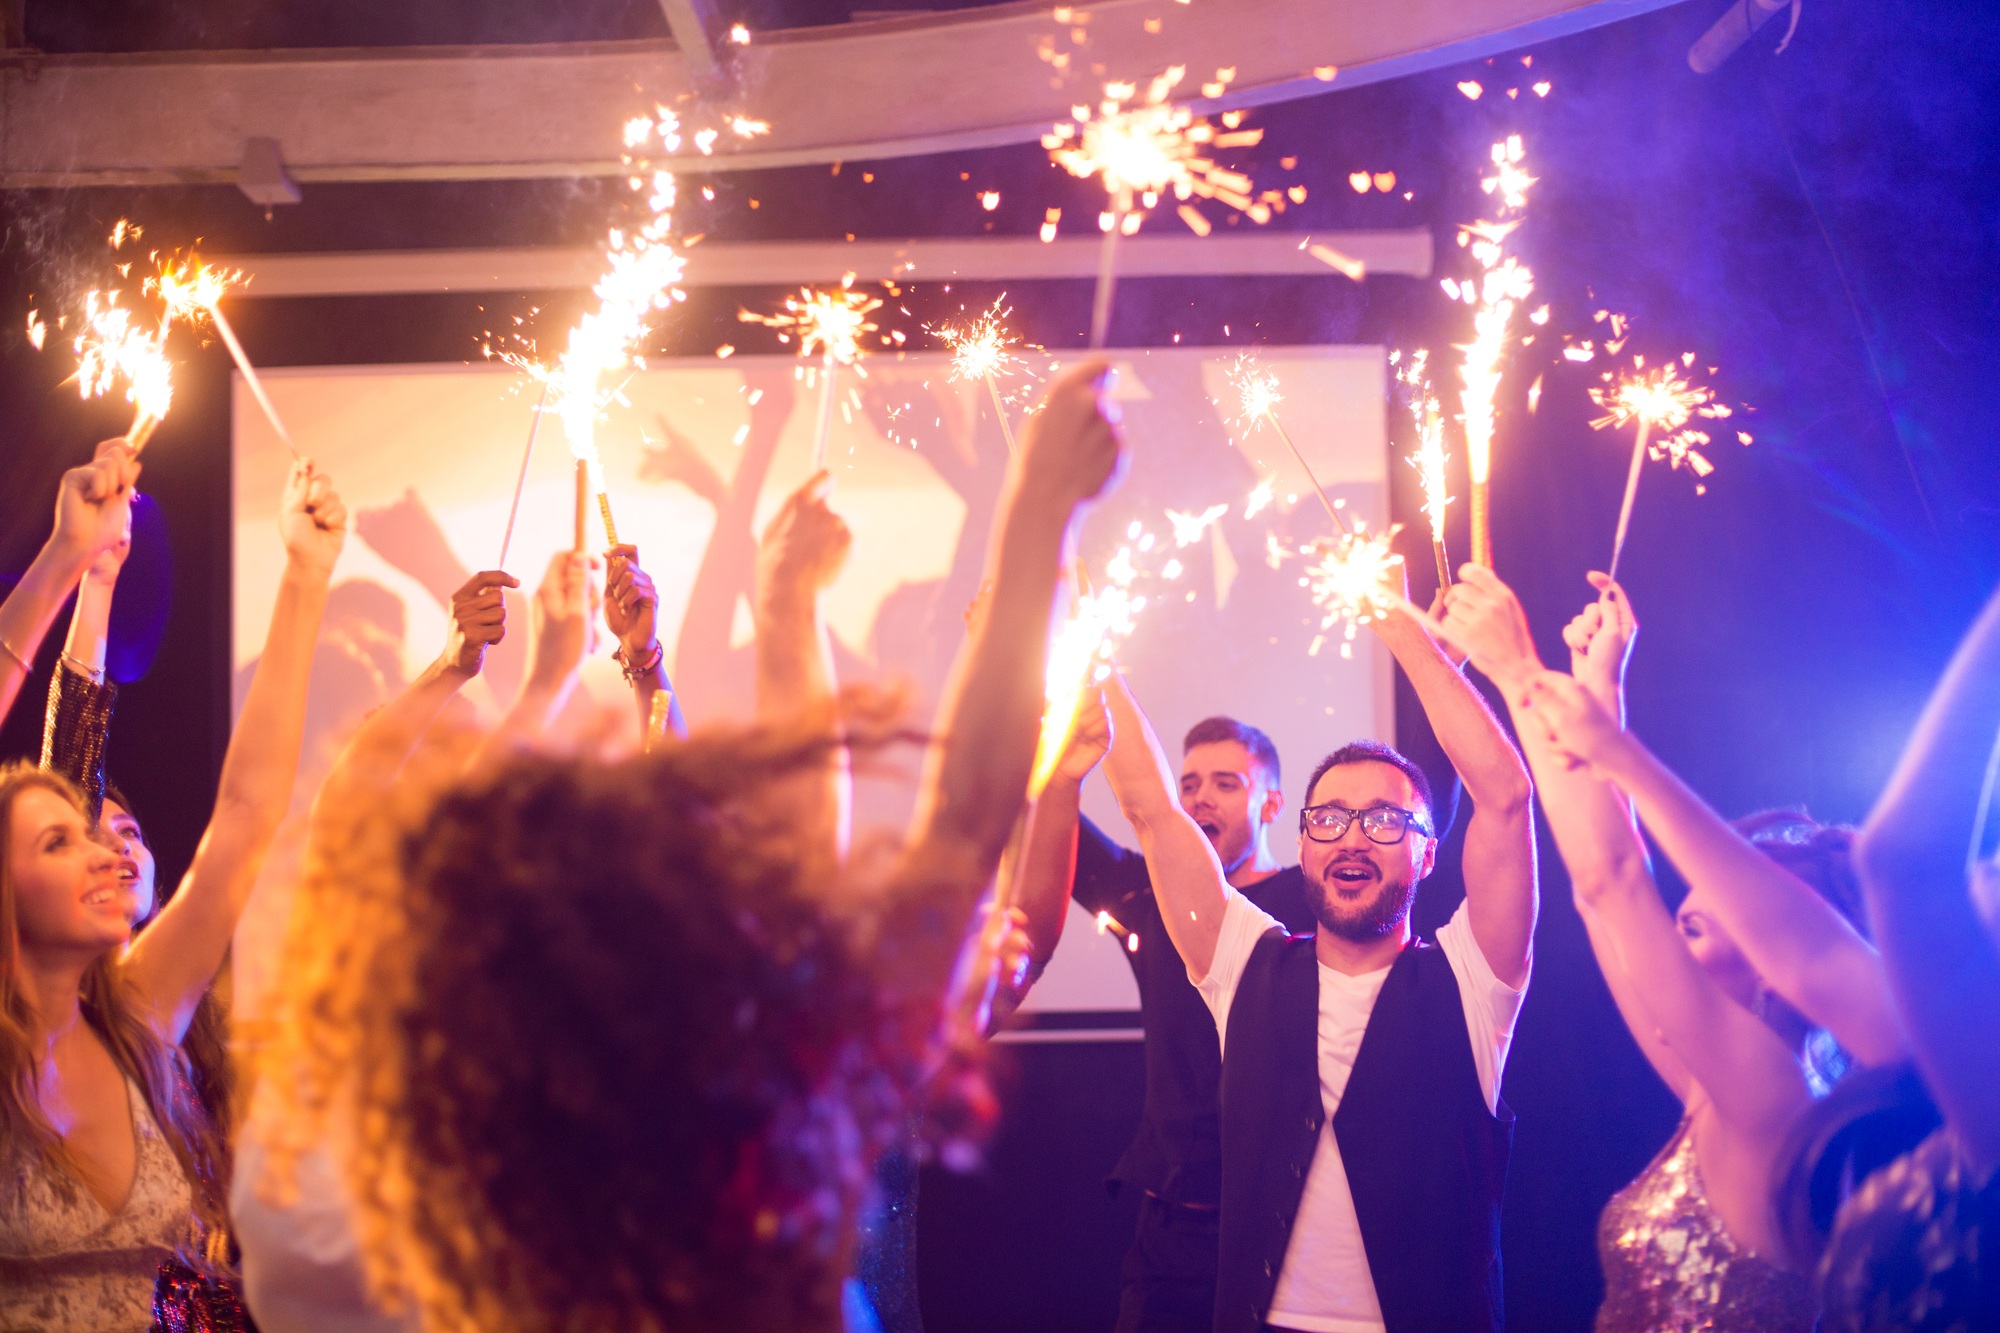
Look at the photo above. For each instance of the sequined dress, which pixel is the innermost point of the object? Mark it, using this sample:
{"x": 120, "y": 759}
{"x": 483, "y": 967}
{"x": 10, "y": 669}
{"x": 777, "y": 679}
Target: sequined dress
{"x": 1670, "y": 1266}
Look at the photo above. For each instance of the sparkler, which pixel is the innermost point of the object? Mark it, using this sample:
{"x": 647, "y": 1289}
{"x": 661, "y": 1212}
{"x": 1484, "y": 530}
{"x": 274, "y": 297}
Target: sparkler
{"x": 1140, "y": 153}
{"x": 831, "y": 323}
{"x": 1080, "y": 654}
{"x": 191, "y": 290}
{"x": 1430, "y": 457}
{"x": 1356, "y": 577}
{"x": 1664, "y": 402}
{"x": 642, "y": 268}
{"x": 1258, "y": 397}
{"x": 1503, "y": 283}
{"x": 980, "y": 350}
{"x": 114, "y": 348}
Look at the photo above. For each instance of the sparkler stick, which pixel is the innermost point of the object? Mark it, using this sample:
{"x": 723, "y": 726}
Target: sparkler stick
{"x": 250, "y": 378}
{"x": 980, "y": 351}
{"x": 192, "y": 289}
{"x": 610, "y": 528}
{"x": 1661, "y": 401}
{"x": 1258, "y": 389}
{"x": 1141, "y": 152}
{"x": 823, "y": 431}
{"x": 582, "y": 506}
{"x": 1107, "y": 273}
{"x": 1631, "y": 494}
{"x": 521, "y": 482}
{"x": 830, "y": 323}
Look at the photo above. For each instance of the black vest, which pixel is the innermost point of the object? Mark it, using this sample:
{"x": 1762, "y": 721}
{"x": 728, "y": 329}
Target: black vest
{"x": 1425, "y": 1159}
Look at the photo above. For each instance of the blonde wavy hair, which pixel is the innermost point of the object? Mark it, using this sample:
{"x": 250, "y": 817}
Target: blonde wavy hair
{"x": 611, "y": 1058}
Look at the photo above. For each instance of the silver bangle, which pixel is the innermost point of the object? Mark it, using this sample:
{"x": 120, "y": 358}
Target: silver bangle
{"x": 92, "y": 674}
{"x": 15, "y": 653}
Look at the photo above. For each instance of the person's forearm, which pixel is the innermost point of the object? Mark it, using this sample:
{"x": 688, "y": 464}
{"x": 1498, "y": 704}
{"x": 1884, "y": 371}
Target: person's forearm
{"x": 263, "y": 754}
{"x": 90, "y": 623}
{"x": 1798, "y": 942}
{"x": 979, "y": 774}
{"x": 29, "y": 611}
{"x": 648, "y": 686}
{"x": 976, "y": 776}
{"x": 1047, "y": 870}
{"x": 1941, "y": 960}
{"x": 1186, "y": 874}
{"x": 794, "y": 654}
{"x": 1471, "y": 736}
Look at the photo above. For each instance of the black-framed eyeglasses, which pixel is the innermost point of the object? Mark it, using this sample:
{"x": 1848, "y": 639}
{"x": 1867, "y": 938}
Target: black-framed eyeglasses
{"x": 1384, "y": 824}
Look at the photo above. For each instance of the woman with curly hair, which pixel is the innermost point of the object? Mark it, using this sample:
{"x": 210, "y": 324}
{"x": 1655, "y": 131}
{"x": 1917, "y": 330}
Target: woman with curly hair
{"x": 104, "y": 1152}
{"x": 616, "y": 1043}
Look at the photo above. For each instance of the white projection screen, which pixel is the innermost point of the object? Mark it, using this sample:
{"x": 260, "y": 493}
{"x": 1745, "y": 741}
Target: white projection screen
{"x": 701, "y": 452}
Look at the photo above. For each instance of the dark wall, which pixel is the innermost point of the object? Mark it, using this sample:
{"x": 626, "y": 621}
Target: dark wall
{"x": 1819, "y": 225}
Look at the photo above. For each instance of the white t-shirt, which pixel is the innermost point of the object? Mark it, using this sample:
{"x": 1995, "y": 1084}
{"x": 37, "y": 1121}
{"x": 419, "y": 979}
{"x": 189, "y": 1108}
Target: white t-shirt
{"x": 1325, "y": 1286}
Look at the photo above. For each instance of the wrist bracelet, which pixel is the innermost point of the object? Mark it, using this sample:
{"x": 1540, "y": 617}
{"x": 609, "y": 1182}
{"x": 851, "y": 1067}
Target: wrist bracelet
{"x": 92, "y": 674}
{"x": 634, "y": 670}
{"x": 15, "y": 653}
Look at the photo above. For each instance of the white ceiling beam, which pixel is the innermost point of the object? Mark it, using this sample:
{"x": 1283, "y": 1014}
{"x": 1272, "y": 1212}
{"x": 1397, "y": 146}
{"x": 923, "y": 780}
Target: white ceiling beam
{"x": 886, "y": 88}
{"x": 801, "y": 263}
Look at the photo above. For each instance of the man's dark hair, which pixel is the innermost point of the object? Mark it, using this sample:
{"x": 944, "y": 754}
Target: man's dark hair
{"x": 1215, "y": 730}
{"x": 1374, "y": 752}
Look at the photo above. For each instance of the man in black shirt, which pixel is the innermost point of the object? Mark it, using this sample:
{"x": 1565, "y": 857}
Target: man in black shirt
{"x": 1229, "y": 784}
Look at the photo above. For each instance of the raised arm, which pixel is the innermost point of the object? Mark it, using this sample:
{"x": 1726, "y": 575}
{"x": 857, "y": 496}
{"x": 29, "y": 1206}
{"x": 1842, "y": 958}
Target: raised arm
{"x": 802, "y": 552}
{"x": 93, "y": 515}
{"x": 1752, "y": 1077}
{"x": 976, "y": 777}
{"x": 176, "y": 958}
{"x": 1046, "y": 874}
{"x": 1590, "y": 820}
{"x": 561, "y": 614}
{"x": 1499, "y": 857}
{"x": 632, "y": 610}
{"x": 1187, "y": 876}
{"x": 1942, "y": 959}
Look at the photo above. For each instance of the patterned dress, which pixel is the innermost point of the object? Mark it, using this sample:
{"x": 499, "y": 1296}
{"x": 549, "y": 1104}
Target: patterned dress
{"x": 68, "y": 1266}
{"x": 1670, "y": 1266}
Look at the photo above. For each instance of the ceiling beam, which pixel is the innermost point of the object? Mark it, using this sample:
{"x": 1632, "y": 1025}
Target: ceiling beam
{"x": 800, "y": 263}
{"x": 896, "y": 87}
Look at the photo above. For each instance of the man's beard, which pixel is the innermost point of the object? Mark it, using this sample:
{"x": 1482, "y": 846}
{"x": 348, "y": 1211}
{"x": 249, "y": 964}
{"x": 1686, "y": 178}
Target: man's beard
{"x": 1364, "y": 922}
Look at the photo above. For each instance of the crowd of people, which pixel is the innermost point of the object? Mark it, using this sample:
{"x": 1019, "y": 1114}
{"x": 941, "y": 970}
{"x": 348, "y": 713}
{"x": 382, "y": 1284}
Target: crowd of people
{"x": 586, "y": 1022}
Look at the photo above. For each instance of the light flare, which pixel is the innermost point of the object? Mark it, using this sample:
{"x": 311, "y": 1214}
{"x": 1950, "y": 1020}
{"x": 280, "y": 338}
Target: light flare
{"x": 1502, "y": 286}
{"x": 982, "y": 349}
{"x": 1354, "y": 578}
{"x": 1430, "y": 457}
{"x": 114, "y": 348}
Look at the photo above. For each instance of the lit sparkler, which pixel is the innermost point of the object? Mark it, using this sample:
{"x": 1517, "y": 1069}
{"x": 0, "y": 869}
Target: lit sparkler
{"x": 1502, "y": 285}
{"x": 1141, "y": 152}
{"x": 1080, "y": 653}
{"x": 1664, "y": 402}
{"x": 113, "y": 349}
{"x": 642, "y": 270}
{"x": 1430, "y": 457}
{"x": 191, "y": 290}
{"x": 1258, "y": 398}
{"x": 829, "y": 323}
{"x": 982, "y": 350}
{"x": 1354, "y": 578}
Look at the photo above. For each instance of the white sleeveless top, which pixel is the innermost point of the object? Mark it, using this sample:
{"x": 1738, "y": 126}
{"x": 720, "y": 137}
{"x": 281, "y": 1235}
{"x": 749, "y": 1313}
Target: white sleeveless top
{"x": 301, "y": 1260}
{"x": 66, "y": 1265}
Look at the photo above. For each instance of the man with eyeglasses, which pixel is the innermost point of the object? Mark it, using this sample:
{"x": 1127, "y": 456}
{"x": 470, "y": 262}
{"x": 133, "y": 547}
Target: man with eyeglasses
{"x": 1364, "y": 1144}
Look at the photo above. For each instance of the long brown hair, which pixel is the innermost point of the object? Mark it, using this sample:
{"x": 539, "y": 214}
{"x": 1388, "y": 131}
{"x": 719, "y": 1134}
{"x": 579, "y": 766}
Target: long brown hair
{"x": 138, "y": 1051}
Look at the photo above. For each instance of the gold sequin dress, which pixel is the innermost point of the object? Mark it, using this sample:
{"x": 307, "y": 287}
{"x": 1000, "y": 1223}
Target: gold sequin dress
{"x": 1671, "y": 1267}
